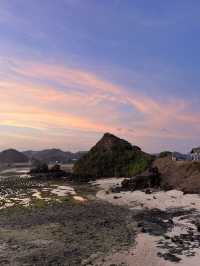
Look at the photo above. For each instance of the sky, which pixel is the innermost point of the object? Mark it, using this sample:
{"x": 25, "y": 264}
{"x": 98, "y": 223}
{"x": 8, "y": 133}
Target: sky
{"x": 71, "y": 70}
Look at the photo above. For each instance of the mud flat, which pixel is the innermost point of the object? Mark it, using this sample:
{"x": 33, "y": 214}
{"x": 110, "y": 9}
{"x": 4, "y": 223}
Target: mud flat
{"x": 59, "y": 224}
{"x": 63, "y": 233}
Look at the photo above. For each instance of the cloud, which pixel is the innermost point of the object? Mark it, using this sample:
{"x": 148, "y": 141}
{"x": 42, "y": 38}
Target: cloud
{"x": 46, "y": 96}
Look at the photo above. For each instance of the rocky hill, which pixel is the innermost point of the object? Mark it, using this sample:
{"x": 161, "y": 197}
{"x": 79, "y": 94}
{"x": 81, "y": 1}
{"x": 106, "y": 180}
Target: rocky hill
{"x": 181, "y": 175}
{"x": 53, "y": 155}
{"x": 112, "y": 156}
{"x": 12, "y": 156}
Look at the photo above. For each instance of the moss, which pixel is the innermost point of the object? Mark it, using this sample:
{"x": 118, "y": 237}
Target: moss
{"x": 38, "y": 203}
{"x": 140, "y": 164}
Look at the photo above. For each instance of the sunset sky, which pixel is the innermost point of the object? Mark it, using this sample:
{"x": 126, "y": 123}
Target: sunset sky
{"x": 71, "y": 70}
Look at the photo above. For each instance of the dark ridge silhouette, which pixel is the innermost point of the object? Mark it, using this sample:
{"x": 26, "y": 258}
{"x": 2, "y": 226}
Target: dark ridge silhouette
{"x": 12, "y": 156}
{"x": 53, "y": 155}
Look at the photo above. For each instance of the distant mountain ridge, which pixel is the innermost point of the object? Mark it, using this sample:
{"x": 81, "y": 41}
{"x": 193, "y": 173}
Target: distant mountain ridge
{"x": 10, "y": 156}
{"x": 53, "y": 155}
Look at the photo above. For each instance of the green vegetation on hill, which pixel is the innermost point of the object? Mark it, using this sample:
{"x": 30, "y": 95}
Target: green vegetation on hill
{"x": 112, "y": 156}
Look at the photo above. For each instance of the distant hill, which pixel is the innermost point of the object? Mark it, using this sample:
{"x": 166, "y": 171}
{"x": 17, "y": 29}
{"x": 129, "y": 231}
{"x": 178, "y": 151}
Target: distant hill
{"x": 53, "y": 155}
{"x": 12, "y": 156}
{"x": 112, "y": 156}
{"x": 29, "y": 153}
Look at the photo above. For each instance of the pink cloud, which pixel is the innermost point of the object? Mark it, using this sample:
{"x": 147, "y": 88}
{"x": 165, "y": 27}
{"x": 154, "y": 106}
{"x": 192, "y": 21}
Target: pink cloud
{"x": 92, "y": 106}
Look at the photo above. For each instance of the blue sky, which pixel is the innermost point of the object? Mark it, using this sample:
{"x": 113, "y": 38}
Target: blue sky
{"x": 72, "y": 69}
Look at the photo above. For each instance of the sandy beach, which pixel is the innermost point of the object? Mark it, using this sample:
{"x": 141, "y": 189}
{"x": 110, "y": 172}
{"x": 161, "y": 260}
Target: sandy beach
{"x": 149, "y": 248}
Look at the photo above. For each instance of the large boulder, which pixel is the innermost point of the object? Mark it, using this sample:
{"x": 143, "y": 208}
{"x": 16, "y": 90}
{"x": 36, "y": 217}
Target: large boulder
{"x": 150, "y": 179}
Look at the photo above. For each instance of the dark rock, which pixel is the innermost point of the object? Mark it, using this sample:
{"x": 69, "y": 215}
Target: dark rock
{"x": 148, "y": 191}
{"x": 171, "y": 221}
{"x": 152, "y": 179}
{"x": 198, "y": 226}
{"x": 170, "y": 257}
{"x": 143, "y": 230}
{"x": 116, "y": 197}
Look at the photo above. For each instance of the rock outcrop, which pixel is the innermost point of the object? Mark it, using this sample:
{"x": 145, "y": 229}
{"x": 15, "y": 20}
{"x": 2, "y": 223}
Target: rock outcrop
{"x": 181, "y": 175}
{"x": 150, "y": 180}
{"x": 112, "y": 156}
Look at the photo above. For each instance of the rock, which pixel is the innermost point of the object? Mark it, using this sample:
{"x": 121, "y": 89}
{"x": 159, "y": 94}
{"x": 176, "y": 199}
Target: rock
{"x": 143, "y": 230}
{"x": 148, "y": 191}
{"x": 169, "y": 256}
{"x": 150, "y": 180}
{"x": 116, "y": 197}
{"x": 198, "y": 226}
{"x": 140, "y": 224}
{"x": 171, "y": 221}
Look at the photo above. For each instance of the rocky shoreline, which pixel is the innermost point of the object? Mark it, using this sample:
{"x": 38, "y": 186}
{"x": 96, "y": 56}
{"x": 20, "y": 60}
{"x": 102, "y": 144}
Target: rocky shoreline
{"x": 98, "y": 227}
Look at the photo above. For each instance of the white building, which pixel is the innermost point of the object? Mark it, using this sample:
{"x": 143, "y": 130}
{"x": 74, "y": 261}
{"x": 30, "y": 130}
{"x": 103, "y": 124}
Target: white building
{"x": 195, "y": 154}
